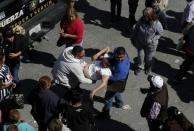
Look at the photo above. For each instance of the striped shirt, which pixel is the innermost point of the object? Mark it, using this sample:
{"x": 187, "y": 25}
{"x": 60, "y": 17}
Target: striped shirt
{"x": 5, "y": 77}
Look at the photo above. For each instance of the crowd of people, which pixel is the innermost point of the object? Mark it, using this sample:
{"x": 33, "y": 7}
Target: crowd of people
{"x": 58, "y": 102}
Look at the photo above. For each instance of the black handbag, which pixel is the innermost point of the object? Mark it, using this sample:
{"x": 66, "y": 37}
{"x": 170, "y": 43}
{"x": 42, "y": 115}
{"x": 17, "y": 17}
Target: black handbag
{"x": 60, "y": 41}
{"x": 14, "y": 101}
{"x": 116, "y": 86}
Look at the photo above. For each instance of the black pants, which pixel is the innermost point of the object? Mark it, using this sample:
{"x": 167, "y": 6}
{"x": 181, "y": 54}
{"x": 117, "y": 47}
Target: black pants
{"x": 115, "y": 4}
{"x": 42, "y": 126}
{"x": 184, "y": 67}
{"x": 148, "y": 3}
{"x": 132, "y": 7}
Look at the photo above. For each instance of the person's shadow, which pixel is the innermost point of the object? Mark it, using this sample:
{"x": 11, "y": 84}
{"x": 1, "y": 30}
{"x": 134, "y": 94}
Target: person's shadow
{"x": 112, "y": 125}
{"x": 184, "y": 90}
{"x": 44, "y": 58}
{"x": 97, "y": 17}
{"x": 26, "y": 86}
{"x": 167, "y": 46}
{"x": 174, "y": 21}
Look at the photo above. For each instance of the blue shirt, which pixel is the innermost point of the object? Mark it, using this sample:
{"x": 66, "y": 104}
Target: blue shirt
{"x": 22, "y": 126}
{"x": 120, "y": 69}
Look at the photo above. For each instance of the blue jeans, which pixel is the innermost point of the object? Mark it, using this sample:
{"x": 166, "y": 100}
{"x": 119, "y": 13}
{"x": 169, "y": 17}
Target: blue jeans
{"x": 109, "y": 97}
{"x": 16, "y": 73}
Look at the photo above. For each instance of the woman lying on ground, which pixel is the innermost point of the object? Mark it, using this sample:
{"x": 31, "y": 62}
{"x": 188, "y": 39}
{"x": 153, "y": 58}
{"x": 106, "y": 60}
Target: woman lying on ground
{"x": 98, "y": 70}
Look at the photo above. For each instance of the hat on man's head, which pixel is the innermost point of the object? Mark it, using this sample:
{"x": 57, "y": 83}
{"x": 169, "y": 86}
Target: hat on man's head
{"x": 157, "y": 81}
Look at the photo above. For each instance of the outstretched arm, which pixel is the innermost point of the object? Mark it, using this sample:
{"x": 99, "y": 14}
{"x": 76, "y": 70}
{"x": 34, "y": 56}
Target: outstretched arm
{"x": 97, "y": 55}
{"x": 103, "y": 83}
{"x": 6, "y": 85}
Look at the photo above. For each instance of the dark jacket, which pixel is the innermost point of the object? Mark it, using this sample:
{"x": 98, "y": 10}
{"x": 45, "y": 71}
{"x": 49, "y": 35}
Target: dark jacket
{"x": 160, "y": 96}
{"x": 44, "y": 105}
{"x": 189, "y": 47}
{"x": 78, "y": 118}
{"x": 19, "y": 44}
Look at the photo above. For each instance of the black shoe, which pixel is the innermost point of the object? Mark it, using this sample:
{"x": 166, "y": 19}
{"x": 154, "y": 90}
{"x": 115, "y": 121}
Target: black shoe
{"x": 119, "y": 18}
{"x": 137, "y": 71}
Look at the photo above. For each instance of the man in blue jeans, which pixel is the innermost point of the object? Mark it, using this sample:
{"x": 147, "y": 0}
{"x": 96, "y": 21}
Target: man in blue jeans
{"x": 120, "y": 70}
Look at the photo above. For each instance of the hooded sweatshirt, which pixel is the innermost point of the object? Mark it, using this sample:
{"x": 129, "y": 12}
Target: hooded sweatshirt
{"x": 68, "y": 71}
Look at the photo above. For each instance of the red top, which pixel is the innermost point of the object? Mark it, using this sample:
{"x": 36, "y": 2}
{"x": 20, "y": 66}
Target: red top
{"x": 74, "y": 28}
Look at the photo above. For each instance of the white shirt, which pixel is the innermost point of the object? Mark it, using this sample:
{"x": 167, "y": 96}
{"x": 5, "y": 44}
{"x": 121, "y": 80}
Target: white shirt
{"x": 96, "y": 67}
{"x": 188, "y": 14}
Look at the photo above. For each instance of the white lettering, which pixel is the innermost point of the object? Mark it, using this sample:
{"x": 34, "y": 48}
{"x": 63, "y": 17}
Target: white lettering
{"x": 2, "y": 15}
{"x": 11, "y": 18}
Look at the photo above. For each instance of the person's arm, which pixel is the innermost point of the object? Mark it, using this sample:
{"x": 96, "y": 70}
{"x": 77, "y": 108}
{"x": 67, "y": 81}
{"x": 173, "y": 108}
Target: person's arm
{"x": 159, "y": 31}
{"x": 15, "y": 55}
{"x": 5, "y": 85}
{"x": 78, "y": 72}
{"x": 8, "y": 84}
{"x": 136, "y": 28}
{"x": 188, "y": 17}
{"x": 69, "y": 35}
{"x": 102, "y": 51}
{"x": 103, "y": 83}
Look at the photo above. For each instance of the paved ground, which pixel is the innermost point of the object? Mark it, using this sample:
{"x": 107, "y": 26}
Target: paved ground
{"x": 100, "y": 33}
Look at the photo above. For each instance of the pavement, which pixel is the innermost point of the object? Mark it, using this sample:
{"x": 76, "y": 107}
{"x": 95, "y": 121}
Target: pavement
{"x": 99, "y": 33}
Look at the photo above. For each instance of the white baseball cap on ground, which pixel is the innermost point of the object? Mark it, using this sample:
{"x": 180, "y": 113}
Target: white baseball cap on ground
{"x": 157, "y": 81}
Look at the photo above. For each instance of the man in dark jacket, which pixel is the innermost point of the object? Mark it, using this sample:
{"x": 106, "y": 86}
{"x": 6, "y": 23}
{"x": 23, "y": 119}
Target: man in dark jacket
{"x": 76, "y": 115}
{"x": 155, "y": 105}
{"x": 44, "y": 103}
{"x": 189, "y": 59}
{"x": 14, "y": 48}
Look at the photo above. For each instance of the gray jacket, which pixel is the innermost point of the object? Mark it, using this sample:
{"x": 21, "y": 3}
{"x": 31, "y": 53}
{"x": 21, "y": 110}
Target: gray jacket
{"x": 68, "y": 71}
{"x": 147, "y": 34}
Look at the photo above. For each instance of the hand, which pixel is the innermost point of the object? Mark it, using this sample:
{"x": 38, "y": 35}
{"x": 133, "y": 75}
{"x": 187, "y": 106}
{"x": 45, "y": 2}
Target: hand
{"x": 12, "y": 55}
{"x": 92, "y": 93}
{"x": 61, "y": 31}
{"x": 13, "y": 85}
{"x": 149, "y": 41}
{"x": 107, "y": 49}
{"x": 144, "y": 90}
{"x": 65, "y": 35}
